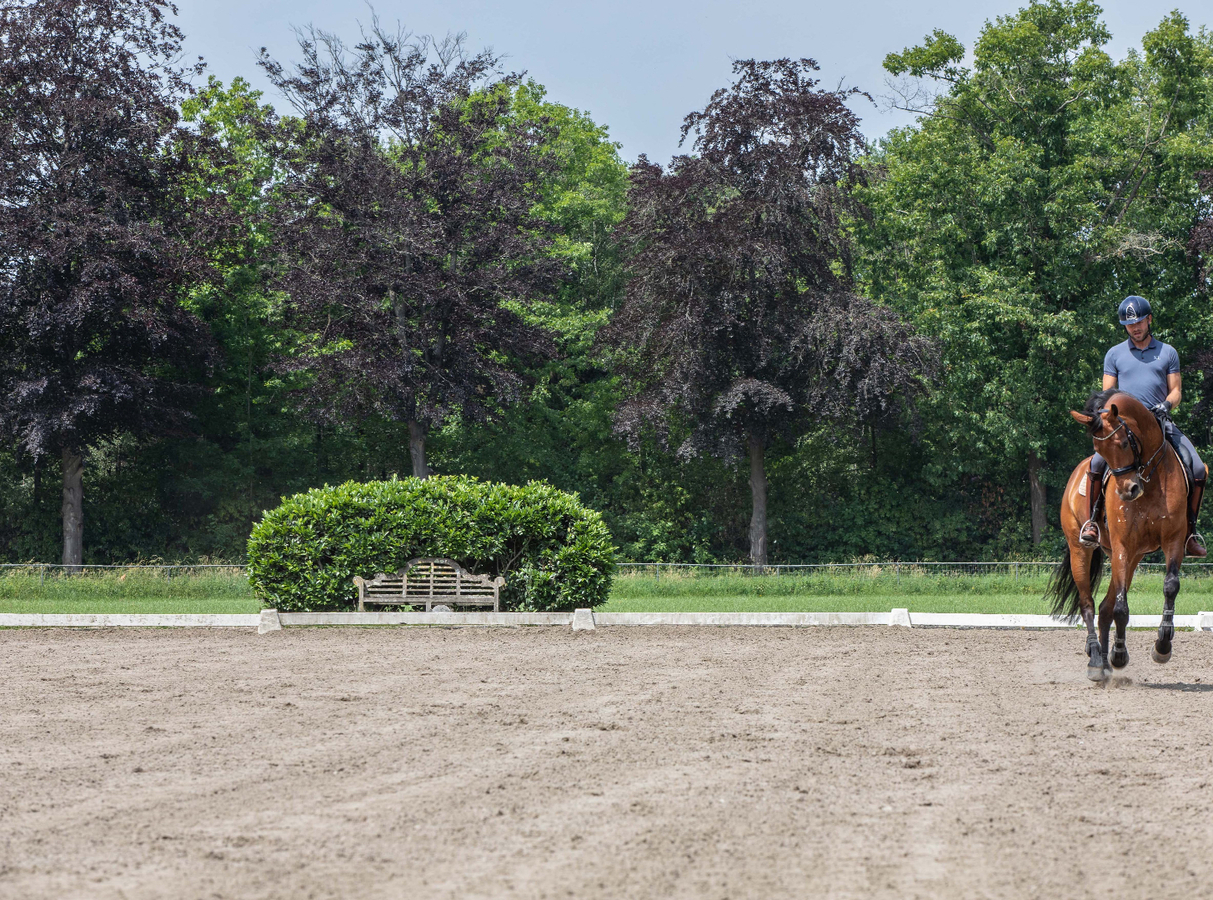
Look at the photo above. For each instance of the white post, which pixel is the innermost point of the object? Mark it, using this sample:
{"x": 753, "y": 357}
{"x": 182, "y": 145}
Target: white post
{"x": 269, "y": 621}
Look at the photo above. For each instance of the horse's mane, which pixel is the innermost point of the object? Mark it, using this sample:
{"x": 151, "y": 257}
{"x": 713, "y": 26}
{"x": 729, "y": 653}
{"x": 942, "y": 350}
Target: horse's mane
{"x": 1100, "y": 400}
{"x": 1097, "y": 401}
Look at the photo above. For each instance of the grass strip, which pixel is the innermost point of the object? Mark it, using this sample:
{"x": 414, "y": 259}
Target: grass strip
{"x": 153, "y": 591}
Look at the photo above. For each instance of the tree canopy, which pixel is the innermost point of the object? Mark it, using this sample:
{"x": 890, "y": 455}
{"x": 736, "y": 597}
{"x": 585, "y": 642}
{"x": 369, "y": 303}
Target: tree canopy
{"x": 207, "y": 302}
{"x": 96, "y": 237}
{"x": 738, "y": 325}
{"x": 409, "y": 228}
{"x": 1040, "y": 187}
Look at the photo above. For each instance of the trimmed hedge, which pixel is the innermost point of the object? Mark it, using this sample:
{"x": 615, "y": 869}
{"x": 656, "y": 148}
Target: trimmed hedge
{"x": 555, "y": 553}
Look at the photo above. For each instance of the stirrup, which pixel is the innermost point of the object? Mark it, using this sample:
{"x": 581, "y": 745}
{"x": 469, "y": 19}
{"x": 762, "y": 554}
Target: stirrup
{"x": 1200, "y": 542}
{"x": 1087, "y": 542}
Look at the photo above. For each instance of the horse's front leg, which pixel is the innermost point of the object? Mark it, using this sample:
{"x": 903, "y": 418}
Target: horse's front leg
{"x": 1105, "y": 625}
{"x": 1170, "y": 589}
{"x": 1119, "y": 656}
{"x": 1095, "y": 654}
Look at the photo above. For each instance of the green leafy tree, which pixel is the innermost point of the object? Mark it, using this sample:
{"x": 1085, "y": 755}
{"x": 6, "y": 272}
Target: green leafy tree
{"x": 562, "y": 432}
{"x": 251, "y": 445}
{"x": 1039, "y": 187}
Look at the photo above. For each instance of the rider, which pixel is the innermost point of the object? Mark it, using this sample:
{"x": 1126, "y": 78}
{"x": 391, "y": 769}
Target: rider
{"x": 1147, "y": 369}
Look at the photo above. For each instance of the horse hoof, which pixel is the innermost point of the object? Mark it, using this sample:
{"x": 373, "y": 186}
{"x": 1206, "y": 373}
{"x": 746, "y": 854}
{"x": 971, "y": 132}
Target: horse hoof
{"x": 1119, "y": 660}
{"x": 1097, "y": 673}
{"x": 1160, "y": 658}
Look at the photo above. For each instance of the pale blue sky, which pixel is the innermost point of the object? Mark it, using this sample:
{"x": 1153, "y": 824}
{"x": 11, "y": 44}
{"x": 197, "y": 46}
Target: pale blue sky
{"x": 639, "y": 67}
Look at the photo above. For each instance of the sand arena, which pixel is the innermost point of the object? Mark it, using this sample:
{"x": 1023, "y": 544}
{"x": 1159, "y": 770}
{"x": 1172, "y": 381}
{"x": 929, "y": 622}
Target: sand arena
{"x": 625, "y": 762}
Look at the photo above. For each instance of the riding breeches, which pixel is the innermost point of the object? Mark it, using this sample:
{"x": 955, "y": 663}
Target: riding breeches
{"x": 1199, "y": 470}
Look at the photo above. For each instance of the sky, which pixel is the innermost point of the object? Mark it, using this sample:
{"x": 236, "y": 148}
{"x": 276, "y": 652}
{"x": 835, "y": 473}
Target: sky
{"x": 640, "y": 67}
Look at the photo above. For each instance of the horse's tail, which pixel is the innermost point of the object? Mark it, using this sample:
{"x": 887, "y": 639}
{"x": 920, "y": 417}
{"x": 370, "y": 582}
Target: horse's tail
{"x": 1063, "y": 589}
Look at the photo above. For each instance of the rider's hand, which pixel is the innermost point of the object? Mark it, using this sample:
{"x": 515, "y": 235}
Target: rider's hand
{"x": 1162, "y": 409}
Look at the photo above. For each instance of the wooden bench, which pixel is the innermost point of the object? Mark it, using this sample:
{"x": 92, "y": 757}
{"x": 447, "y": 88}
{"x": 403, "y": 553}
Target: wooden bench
{"x": 428, "y": 582}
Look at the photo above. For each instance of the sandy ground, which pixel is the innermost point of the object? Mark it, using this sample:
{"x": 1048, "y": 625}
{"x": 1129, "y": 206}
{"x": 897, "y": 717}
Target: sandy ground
{"x": 627, "y": 762}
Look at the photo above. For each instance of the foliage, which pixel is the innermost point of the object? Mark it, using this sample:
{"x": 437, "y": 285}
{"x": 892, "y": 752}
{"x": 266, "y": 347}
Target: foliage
{"x": 96, "y": 237}
{"x": 408, "y": 224}
{"x": 1044, "y": 181}
{"x": 1039, "y": 188}
{"x": 738, "y": 326}
{"x": 250, "y": 445}
{"x": 553, "y": 552}
{"x": 1200, "y": 250}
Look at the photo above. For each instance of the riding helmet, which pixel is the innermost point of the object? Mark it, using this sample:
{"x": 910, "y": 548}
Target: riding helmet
{"x": 1133, "y": 309}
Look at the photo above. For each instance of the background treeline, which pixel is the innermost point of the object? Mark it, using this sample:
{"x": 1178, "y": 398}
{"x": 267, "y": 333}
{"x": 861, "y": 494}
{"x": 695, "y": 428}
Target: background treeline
{"x": 423, "y": 264}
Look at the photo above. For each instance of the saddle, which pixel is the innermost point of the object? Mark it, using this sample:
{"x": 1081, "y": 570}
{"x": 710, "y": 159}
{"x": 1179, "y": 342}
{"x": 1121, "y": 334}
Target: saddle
{"x": 1172, "y": 435}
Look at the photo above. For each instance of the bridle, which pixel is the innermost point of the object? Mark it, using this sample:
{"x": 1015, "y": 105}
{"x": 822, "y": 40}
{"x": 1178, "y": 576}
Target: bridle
{"x": 1144, "y": 470}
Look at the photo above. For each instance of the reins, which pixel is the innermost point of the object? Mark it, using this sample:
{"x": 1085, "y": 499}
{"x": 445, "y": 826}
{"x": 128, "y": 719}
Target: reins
{"x": 1144, "y": 470}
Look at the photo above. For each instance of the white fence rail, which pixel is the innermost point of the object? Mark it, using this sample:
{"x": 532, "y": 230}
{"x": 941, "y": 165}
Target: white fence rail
{"x": 581, "y": 620}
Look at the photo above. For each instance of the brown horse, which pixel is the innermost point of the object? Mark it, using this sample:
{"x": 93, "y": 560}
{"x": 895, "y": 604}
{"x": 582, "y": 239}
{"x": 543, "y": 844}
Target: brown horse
{"x": 1146, "y": 504}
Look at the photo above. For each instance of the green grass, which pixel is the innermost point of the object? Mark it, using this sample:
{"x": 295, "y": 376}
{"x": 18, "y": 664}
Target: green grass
{"x": 863, "y": 590}
{"x": 869, "y": 590}
{"x": 127, "y": 591}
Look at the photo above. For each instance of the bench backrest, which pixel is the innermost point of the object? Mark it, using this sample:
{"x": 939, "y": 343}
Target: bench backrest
{"x": 428, "y": 580}
{"x": 425, "y": 578}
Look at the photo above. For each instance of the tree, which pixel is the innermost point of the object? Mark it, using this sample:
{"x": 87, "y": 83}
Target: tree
{"x": 95, "y": 235}
{"x": 1200, "y": 250}
{"x": 562, "y": 431}
{"x": 738, "y": 326}
{"x": 412, "y": 243}
{"x": 1038, "y": 189}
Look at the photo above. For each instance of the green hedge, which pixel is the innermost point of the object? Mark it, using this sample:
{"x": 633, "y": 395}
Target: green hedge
{"x": 554, "y": 553}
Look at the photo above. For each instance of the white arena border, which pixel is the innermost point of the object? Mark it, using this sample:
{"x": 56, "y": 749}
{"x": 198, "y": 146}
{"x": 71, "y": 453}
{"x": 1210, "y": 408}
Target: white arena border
{"x": 581, "y": 620}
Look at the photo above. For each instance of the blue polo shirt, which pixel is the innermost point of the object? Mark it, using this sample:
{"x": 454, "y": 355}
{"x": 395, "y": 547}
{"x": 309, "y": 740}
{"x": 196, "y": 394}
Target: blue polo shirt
{"x": 1142, "y": 373}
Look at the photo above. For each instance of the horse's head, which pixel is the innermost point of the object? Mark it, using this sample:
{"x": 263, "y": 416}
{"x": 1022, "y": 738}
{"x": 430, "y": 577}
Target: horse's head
{"x": 1120, "y": 426}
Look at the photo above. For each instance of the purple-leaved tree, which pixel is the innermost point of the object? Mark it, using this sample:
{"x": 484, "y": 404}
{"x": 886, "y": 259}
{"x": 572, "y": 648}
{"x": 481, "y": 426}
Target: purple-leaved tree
{"x": 410, "y": 246}
{"x": 739, "y": 326}
{"x": 96, "y": 238}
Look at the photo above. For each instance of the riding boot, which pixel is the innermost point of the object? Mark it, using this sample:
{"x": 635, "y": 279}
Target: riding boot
{"x": 1089, "y": 536}
{"x": 1196, "y": 543}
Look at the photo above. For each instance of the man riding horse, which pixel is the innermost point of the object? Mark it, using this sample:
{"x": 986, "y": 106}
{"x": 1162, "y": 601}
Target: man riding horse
{"x": 1147, "y": 369}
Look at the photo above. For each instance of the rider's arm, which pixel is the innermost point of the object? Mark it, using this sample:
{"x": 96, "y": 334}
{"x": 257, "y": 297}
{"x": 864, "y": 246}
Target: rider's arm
{"x": 1175, "y": 383}
{"x": 1109, "y": 381}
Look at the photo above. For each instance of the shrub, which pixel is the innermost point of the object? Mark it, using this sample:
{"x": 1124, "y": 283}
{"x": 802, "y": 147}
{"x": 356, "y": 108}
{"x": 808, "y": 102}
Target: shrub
{"x": 554, "y": 553}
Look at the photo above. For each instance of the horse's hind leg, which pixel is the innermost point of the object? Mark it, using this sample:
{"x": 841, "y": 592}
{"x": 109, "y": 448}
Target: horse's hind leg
{"x": 1161, "y": 651}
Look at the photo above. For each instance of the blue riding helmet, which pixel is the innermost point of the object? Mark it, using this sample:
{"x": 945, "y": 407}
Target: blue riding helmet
{"x": 1133, "y": 310}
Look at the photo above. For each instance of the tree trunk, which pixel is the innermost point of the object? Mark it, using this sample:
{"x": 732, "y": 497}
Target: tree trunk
{"x": 73, "y": 510}
{"x": 417, "y": 448}
{"x": 1037, "y": 491}
{"x": 758, "y": 491}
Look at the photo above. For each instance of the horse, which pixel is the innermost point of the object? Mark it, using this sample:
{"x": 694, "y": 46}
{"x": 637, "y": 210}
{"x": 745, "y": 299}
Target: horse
{"x": 1146, "y": 503}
